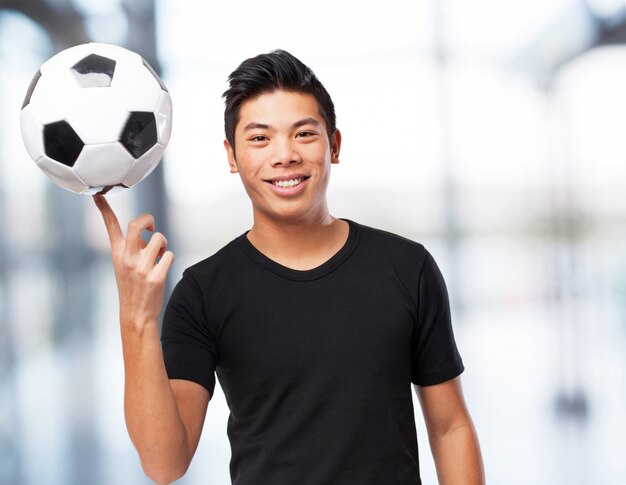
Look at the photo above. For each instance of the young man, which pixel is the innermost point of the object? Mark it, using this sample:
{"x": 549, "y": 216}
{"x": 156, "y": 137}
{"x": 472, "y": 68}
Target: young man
{"x": 315, "y": 326}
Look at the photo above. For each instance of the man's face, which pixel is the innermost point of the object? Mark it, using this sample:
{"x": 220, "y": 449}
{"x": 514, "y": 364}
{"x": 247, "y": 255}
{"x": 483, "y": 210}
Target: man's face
{"x": 284, "y": 155}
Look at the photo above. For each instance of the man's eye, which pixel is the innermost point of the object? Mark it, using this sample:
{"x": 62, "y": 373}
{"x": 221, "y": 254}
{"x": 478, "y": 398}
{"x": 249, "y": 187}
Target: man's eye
{"x": 258, "y": 138}
{"x": 305, "y": 134}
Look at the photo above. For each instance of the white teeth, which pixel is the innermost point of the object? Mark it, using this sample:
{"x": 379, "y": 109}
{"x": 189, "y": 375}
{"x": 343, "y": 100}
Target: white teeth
{"x": 287, "y": 183}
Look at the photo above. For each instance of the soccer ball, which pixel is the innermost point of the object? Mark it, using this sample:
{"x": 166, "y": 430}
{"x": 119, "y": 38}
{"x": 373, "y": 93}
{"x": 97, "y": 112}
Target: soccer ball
{"x": 96, "y": 118}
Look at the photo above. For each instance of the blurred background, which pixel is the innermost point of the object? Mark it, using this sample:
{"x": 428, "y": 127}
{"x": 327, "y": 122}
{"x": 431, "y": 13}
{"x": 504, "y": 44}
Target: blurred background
{"x": 491, "y": 131}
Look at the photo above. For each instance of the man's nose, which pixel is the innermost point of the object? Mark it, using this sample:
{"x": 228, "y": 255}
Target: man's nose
{"x": 285, "y": 153}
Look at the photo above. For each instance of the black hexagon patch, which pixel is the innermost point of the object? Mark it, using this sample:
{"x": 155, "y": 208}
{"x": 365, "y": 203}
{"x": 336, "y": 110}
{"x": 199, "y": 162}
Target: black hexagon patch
{"x": 61, "y": 143}
{"x": 94, "y": 71}
{"x": 139, "y": 133}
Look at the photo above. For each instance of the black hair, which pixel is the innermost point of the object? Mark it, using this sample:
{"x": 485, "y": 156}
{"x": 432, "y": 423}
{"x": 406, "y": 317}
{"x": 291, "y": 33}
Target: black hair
{"x": 266, "y": 73}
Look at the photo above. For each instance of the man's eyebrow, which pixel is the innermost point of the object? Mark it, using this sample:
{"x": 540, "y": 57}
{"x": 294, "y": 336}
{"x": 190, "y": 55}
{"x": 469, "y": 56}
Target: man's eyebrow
{"x": 256, "y": 126}
{"x": 262, "y": 126}
{"x": 306, "y": 121}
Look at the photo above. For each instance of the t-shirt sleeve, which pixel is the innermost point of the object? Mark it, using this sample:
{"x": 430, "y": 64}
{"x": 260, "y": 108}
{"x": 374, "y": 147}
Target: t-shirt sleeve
{"x": 189, "y": 349}
{"x": 434, "y": 354}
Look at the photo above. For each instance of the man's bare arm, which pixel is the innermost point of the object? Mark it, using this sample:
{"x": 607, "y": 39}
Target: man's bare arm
{"x": 164, "y": 418}
{"x": 451, "y": 433}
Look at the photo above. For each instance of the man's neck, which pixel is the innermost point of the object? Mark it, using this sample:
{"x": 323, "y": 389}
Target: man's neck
{"x": 302, "y": 244}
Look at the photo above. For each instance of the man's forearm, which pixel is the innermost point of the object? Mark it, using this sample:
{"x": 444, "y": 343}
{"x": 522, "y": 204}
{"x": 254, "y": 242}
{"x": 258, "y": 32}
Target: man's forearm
{"x": 457, "y": 456}
{"x": 150, "y": 409}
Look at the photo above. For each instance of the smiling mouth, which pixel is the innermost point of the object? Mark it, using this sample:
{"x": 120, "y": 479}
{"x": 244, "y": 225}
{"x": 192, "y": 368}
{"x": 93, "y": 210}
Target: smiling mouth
{"x": 288, "y": 183}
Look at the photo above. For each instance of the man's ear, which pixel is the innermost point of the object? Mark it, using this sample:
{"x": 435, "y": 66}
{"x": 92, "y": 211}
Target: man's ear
{"x": 232, "y": 161}
{"x": 335, "y": 146}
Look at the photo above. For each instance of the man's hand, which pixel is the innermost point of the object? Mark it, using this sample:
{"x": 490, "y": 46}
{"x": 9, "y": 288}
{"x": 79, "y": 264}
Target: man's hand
{"x": 140, "y": 277}
{"x": 155, "y": 423}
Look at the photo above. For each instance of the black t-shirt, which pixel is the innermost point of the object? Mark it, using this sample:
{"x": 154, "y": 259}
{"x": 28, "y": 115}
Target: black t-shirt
{"x": 316, "y": 365}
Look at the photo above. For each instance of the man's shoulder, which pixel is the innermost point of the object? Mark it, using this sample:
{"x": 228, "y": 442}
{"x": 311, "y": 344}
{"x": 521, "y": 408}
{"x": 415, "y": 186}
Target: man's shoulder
{"x": 390, "y": 242}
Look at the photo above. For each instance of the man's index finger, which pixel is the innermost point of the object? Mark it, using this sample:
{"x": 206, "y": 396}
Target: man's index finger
{"x": 110, "y": 219}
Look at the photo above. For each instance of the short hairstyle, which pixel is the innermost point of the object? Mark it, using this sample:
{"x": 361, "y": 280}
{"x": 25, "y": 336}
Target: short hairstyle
{"x": 266, "y": 73}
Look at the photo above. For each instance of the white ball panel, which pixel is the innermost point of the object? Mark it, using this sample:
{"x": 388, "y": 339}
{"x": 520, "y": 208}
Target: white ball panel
{"x": 136, "y": 87}
{"x": 58, "y": 89}
{"x": 32, "y": 133}
{"x": 164, "y": 129}
{"x": 163, "y": 115}
{"x": 104, "y": 164}
{"x": 164, "y": 106}
{"x": 61, "y": 175}
{"x": 52, "y": 96}
{"x": 96, "y": 114}
{"x": 144, "y": 165}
